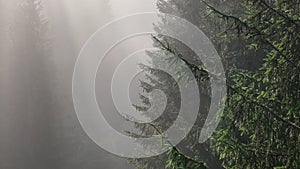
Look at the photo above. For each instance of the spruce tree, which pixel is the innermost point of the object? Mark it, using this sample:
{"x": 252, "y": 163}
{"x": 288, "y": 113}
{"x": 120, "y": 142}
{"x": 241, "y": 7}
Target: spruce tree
{"x": 260, "y": 128}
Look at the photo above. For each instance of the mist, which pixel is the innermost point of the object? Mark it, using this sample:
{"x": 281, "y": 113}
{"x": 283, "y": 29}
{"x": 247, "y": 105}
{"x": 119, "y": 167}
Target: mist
{"x": 149, "y": 84}
{"x": 38, "y": 125}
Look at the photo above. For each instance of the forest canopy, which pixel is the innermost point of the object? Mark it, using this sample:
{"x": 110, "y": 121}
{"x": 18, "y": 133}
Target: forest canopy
{"x": 259, "y": 43}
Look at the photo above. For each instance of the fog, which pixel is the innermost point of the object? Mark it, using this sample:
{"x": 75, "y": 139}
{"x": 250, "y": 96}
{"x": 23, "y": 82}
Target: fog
{"x": 38, "y": 125}
{"x": 86, "y": 84}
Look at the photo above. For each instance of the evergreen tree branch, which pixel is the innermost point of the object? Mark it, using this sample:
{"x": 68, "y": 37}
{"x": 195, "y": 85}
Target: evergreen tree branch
{"x": 279, "y": 13}
{"x": 174, "y": 148}
{"x": 199, "y": 68}
{"x": 254, "y": 30}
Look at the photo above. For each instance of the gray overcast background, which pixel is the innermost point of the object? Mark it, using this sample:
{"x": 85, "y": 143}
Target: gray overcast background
{"x": 38, "y": 125}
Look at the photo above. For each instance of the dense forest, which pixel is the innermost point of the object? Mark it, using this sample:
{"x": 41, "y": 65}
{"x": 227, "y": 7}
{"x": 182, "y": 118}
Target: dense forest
{"x": 259, "y": 45}
{"x": 258, "y": 41}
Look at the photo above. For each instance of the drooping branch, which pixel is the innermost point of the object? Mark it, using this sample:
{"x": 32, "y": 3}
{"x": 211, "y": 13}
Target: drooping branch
{"x": 175, "y": 149}
{"x": 252, "y": 29}
{"x": 230, "y": 86}
{"x": 263, "y": 2}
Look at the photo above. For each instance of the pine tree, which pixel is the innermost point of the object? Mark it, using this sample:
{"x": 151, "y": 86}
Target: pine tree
{"x": 195, "y": 12}
{"x": 261, "y": 119}
{"x": 261, "y": 126}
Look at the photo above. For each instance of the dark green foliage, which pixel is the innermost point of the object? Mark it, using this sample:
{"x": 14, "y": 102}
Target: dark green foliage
{"x": 260, "y": 127}
{"x": 261, "y": 121}
{"x": 178, "y": 160}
